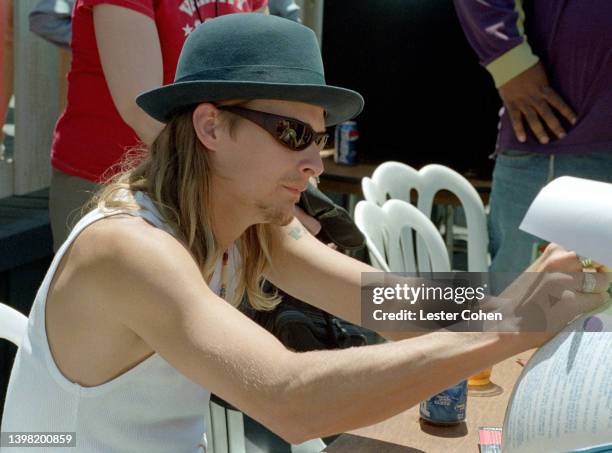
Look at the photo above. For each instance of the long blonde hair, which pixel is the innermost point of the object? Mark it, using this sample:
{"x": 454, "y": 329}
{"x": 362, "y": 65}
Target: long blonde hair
{"x": 175, "y": 173}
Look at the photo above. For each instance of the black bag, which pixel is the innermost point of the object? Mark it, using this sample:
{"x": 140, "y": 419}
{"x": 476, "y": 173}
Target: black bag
{"x": 302, "y": 327}
{"x": 336, "y": 223}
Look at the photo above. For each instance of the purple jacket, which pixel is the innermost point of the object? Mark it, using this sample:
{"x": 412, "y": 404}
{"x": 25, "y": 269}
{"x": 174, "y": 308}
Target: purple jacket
{"x": 572, "y": 38}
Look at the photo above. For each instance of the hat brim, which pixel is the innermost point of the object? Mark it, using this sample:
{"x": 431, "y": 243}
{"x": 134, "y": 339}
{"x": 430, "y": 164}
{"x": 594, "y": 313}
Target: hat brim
{"x": 340, "y": 104}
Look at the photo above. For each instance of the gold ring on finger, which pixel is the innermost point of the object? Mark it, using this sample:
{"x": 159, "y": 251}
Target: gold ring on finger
{"x": 585, "y": 262}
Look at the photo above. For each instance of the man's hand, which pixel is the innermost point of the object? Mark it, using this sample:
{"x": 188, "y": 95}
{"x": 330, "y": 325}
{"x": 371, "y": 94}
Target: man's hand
{"x": 556, "y": 259}
{"x": 551, "y": 293}
{"x": 529, "y": 95}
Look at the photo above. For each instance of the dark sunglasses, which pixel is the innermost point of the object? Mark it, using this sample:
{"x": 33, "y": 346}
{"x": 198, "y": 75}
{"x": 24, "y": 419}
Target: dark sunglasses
{"x": 290, "y": 132}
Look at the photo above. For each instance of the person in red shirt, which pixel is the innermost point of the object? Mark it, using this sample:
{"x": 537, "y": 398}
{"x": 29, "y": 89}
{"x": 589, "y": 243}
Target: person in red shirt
{"x": 120, "y": 48}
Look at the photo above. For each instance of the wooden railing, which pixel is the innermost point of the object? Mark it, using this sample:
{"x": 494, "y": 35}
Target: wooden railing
{"x": 36, "y": 103}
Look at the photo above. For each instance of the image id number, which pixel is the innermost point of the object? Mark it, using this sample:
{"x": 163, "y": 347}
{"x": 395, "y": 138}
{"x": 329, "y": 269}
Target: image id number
{"x": 38, "y": 439}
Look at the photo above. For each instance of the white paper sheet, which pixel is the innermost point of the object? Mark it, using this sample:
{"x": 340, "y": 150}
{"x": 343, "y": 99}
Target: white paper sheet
{"x": 576, "y": 214}
{"x": 563, "y": 399}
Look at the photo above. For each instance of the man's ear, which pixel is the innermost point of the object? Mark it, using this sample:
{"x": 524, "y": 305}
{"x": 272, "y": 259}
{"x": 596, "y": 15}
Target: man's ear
{"x": 205, "y": 121}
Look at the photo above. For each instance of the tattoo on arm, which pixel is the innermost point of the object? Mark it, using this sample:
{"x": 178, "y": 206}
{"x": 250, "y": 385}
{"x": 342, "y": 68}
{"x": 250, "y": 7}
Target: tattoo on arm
{"x": 296, "y": 232}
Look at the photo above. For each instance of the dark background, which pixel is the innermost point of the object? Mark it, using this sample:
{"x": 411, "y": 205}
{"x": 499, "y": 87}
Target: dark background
{"x": 427, "y": 100}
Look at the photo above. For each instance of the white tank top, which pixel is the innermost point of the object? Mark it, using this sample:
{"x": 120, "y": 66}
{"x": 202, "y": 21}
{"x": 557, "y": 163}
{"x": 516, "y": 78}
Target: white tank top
{"x": 150, "y": 408}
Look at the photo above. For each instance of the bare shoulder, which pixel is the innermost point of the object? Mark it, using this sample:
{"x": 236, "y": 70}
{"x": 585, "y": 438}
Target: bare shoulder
{"x": 125, "y": 241}
{"x": 121, "y": 234}
{"x": 126, "y": 259}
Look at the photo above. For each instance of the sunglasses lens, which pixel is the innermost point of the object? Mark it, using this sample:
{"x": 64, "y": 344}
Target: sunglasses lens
{"x": 293, "y": 134}
{"x": 321, "y": 141}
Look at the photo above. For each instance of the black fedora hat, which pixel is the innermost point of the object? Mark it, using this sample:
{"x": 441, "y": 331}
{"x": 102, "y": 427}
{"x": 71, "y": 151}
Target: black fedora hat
{"x": 251, "y": 56}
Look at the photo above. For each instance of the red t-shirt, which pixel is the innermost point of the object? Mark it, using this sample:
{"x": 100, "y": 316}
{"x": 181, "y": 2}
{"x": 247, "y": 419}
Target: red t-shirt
{"x": 90, "y": 137}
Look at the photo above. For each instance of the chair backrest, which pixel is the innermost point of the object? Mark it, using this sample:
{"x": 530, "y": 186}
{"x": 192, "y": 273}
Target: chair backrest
{"x": 388, "y": 231}
{"x": 397, "y": 180}
{"x": 13, "y": 324}
{"x": 372, "y": 192}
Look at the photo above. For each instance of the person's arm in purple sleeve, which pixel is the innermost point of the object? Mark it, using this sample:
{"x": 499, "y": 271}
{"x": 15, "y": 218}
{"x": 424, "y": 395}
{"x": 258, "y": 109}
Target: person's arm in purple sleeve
{"x": 494, "y": 29}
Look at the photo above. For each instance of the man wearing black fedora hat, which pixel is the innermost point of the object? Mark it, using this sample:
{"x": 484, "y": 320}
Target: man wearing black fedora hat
{"x": 132, "y": 329}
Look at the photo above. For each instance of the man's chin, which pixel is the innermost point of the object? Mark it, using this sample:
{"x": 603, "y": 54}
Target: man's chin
{"x": 281, "y": 219}
{"x": 278, "y": 217}
{"x": 287, "y": 220}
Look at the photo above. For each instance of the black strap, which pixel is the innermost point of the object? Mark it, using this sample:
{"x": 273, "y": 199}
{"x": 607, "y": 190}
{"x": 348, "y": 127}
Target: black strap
{"x": 336, "y": 223}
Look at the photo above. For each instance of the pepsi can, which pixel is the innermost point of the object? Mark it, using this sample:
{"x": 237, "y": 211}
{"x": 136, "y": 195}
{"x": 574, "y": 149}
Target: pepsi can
{"x": 346, "y": 143}
{"x": 447, "y": 407}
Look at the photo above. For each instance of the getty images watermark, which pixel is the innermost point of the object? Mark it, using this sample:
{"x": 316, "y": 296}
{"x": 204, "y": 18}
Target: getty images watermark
{"x": 469, "y": 301}
{"x": 425, "y": 293}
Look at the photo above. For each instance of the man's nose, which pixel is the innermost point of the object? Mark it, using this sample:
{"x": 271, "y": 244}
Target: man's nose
{"x": 311, "y": 162}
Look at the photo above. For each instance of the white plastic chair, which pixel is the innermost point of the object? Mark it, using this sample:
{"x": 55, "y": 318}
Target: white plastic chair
{"x": 13, "y": 324}
{"x": 397, "y": 180}
{"x": 388, "y": 231}
{"x": 224, "y": 430}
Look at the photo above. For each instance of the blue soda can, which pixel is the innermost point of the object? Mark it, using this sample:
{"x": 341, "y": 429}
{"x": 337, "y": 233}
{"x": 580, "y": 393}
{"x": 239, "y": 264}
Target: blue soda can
{"x": 447, "y": 407}
{"x": 346, "y": 143}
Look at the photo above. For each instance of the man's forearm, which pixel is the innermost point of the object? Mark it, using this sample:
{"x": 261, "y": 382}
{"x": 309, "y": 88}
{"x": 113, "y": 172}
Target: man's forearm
{"x": 362, "y": 386}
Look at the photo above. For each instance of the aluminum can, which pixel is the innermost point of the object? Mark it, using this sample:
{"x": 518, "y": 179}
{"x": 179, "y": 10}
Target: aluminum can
{"x": 346, "y": 137}
{"x": 447, "y": 407}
